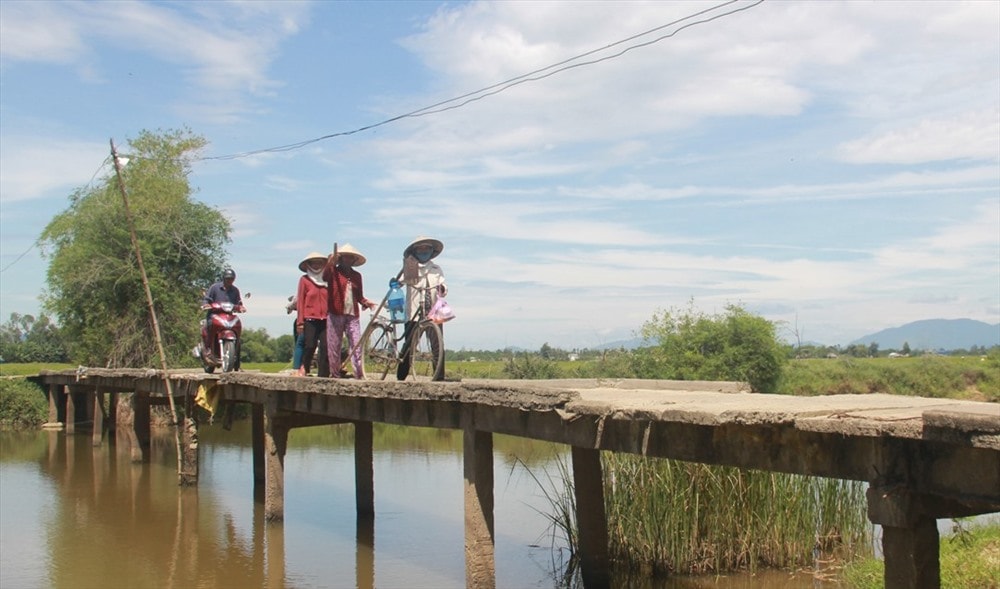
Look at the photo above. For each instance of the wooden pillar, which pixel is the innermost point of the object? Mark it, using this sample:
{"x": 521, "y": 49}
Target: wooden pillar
{"x": 910, "y": 540}
{"x": 592, "y": 524}
{"x": 364, "y": 469}
{"x": 189, "y": 453}
{"x": 275, "y": 443}
{"x": 257, "y": 444}
{"x": 98, "y": 409}
{"x": 477, "y": 448}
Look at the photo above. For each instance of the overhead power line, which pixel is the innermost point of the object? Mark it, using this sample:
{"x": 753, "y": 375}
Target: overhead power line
{"x": 38, "y": 241}
{"x": 539, "y": 74}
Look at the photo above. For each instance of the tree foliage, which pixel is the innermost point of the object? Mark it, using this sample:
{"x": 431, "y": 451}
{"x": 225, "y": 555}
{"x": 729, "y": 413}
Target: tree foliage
{"x": 735, "y": 345}
{"x": 27, "y": 339}
{"x": 94, "y": 284}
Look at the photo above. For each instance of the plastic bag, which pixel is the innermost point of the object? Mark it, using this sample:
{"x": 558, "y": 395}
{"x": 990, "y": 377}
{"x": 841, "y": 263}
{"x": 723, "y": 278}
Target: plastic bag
{"x": 441, "y": 311}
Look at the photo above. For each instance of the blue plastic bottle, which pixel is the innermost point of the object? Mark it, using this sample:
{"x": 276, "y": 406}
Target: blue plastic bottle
{"x": 396, "y": 302}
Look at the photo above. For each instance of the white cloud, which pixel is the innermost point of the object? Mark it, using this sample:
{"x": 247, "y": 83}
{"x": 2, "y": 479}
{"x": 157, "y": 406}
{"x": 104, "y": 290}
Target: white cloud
{"x": 38, "y": 31}
{"x": 222, "y": 49}
{"x": 970, "y": 135}
{"x": 36, "y": 167}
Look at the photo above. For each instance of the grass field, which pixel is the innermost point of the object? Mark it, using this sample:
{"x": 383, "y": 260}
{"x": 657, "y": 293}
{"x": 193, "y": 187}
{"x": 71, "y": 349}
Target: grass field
{"x": 974, "y": 378}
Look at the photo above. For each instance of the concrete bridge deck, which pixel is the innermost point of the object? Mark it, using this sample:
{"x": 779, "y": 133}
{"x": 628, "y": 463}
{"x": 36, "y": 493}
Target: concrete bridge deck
{"x": 923, "y": 458}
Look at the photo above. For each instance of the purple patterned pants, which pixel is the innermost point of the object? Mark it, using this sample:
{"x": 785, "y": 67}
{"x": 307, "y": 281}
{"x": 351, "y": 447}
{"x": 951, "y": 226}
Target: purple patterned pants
{"x": 336, "y": 325}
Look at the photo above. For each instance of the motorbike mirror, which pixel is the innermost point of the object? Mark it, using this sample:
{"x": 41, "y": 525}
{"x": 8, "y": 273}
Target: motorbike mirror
{"x": 247, "y": 296}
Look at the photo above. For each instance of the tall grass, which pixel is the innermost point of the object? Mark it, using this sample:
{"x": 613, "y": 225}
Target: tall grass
{"x": 687, "y": 518}
{"x": 673, "y": 517}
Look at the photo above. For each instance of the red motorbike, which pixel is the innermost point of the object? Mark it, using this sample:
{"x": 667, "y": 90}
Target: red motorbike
{"x": 222, "y": 328}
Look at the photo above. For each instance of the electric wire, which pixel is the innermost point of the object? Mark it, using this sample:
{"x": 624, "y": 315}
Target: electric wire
{"x": 492, "y": 90}
{"x": 498, "y": 87}
{"x": 37, "y": 241}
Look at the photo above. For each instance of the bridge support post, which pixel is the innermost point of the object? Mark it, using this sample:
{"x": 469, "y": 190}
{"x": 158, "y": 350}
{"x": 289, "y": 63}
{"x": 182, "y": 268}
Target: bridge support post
{"x": 275, "y": 444}
{"x": 98, "y": 405}
{"x": 257, "y": 443}
{"x": 364, "y": 469}
{"x": 588, "y": 486}
{"x": 189, "y": 452}
{"x": 55, "y": 390}
{"x": 910, "y": 539}
{"x": 70, "y": 410}
{"x": 141, "y": 427}
{"x": 477, "y": 449}
{"x": 112, "y": 416}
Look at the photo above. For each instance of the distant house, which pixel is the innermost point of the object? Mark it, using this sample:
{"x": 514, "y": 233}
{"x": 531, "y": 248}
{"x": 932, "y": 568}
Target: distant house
{"x": 573, "y": 357}
{"x": 831, "y": 355}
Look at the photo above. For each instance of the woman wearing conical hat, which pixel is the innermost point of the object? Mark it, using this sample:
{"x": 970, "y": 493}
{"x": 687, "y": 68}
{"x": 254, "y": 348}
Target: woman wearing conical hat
{"x": 345, "y": 297}
{"x": 424, "y": 284}
{"x": 310, "y": 319}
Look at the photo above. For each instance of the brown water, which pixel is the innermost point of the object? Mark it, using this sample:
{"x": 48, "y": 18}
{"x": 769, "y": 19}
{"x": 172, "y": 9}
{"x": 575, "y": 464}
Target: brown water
{"x": 75, "y": 516}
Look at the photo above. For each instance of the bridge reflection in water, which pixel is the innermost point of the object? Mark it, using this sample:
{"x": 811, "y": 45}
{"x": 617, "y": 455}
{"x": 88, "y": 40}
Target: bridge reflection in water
{"x": 924, "y": 459}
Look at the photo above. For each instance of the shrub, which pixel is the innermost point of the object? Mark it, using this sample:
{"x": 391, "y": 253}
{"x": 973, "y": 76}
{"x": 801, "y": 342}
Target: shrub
{"x": 22, "y": 403}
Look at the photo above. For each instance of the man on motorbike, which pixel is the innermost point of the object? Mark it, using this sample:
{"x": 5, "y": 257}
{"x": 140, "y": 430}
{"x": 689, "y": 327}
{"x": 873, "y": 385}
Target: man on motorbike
{"x": 224, "y": 291}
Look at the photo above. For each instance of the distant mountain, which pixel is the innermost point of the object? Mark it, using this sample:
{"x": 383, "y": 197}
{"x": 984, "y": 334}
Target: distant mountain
{"x": 627, "y": 344}
{"x": 935, "y": 334}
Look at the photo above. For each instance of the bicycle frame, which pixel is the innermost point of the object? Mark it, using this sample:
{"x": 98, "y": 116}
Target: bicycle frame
{"x": 385, "y": 351}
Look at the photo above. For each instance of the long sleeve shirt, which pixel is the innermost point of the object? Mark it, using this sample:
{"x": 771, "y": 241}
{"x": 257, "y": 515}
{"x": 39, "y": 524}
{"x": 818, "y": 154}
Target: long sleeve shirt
{"x": 311, "y": 300}
{"x": 345, "y": 292}
{"x": 422, "y": 288}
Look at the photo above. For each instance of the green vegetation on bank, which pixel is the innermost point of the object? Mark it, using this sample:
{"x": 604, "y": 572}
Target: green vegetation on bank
{"x": 975, "y": 378}
{"x": 970, "y": 559}
{"x": 22, "y": 404}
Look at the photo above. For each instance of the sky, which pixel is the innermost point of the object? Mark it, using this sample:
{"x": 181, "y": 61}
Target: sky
{"x": 833, "y": 167}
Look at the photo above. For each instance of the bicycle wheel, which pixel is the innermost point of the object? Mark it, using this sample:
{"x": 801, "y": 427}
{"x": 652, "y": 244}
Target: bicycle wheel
{"x": 378, "y": 350}
{"x": 426, "y": 352}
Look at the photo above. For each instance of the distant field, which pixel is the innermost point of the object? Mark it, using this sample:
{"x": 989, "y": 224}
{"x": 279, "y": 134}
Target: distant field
{"x": 972, "y": 377}
{"x": 30, "y": 368}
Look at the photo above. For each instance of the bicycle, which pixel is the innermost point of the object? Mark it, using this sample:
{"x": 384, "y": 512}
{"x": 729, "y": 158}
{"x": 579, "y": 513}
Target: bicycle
{"x": 382, "y": 349}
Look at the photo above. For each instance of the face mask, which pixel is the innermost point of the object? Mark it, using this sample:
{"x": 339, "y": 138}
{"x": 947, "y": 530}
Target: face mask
{"x": 423, "y": 256}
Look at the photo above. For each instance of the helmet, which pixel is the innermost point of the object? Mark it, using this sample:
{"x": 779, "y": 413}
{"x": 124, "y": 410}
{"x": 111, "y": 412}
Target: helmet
{"x": 228, "y": 274}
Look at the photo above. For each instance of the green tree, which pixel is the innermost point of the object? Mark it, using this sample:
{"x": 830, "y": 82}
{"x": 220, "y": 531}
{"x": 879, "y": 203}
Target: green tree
{"x": 735, "y": 345}
{"x": 255, "y": 346}
{"x": 27, "y": 339}
{"x": 94, "y": 285}
{"x": 282, "y": 347}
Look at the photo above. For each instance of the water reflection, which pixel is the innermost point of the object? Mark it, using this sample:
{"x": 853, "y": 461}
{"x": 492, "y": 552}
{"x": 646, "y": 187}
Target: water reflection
{"x": 74, "y": 515}
{"x": 93, "y": 517}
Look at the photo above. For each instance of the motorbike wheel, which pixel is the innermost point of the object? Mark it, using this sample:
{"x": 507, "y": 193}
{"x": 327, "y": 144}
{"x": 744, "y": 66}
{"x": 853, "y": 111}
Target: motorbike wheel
{"x": 228, "y": 356}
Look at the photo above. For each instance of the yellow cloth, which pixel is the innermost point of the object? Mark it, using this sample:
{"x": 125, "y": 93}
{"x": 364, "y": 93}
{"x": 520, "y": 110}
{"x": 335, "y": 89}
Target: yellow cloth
{"x": 208, "y": 398}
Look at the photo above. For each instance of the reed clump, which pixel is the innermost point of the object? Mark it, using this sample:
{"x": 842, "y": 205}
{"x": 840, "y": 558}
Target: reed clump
{"x": 671, "y": 517}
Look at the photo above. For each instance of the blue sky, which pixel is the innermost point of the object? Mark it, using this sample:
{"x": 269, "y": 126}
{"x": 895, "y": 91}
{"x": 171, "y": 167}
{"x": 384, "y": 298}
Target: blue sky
{"x": 833, "y": 166}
